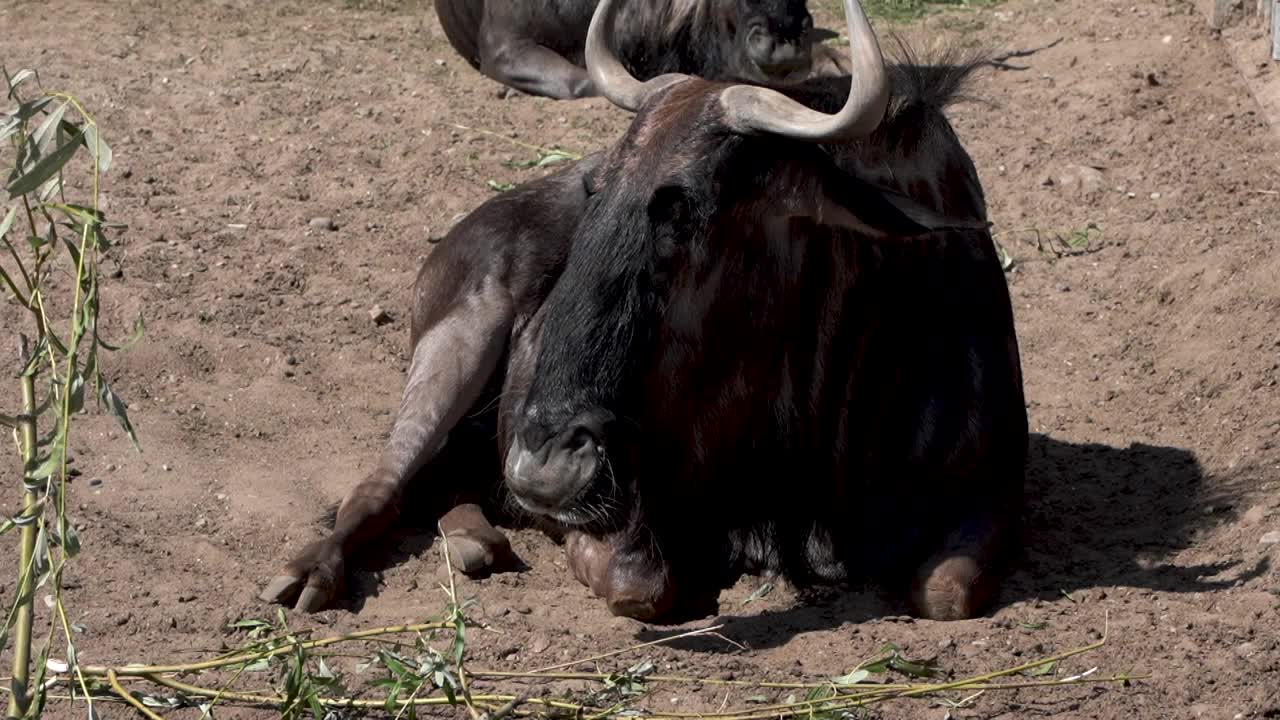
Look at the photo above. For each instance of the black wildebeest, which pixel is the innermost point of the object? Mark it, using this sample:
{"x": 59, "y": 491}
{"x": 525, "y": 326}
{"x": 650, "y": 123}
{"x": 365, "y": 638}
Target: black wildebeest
{"x": 763, "y": 330}
{"x": 536, "y": 46}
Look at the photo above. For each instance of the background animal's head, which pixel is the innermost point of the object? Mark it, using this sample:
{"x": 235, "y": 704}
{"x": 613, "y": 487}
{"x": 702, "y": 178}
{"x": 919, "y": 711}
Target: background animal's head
{"x": 703, "y": 169}
{"x": 776, "y": 36}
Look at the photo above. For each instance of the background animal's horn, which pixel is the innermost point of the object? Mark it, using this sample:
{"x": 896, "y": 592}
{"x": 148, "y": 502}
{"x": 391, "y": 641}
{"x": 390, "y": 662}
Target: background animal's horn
{"x": 608, "y": 73}
{"x": 753, "y": 110}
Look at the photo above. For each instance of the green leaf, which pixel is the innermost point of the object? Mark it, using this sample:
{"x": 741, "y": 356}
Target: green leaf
{"x": 1041, "y": 670}
{"x": 44, "y": 134}
{"x": 8, "y": 220}
{"x": 26, "y": 110}
{"x": 51, "y": 188}
{"x": 852, "y": 678}
{"x": 393, "y": 664}
{"x": 138, "y": 329}
{"x": 248, "y": 624}
{"x": 53, "y": 463}
{"x": 759, "y": 592}
{"x": 500, "y": 186}
{"x": 70, "y": 541}
{"x": 907, "y": 667}
{"x": 46, "y": 168}
{"x": 317, "y": 708}
{"x": 118, "y": 408}
{"x": 76, "y": 398}
{"x": 40, "y": 557}
{"x": 17, "y": 78}
{"x": 543, "y": 159}
{"x": 259, "y": 665}
{"x": 98, "y": 147}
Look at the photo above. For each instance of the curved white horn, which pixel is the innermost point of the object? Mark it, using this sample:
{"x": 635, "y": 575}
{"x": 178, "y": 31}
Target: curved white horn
{"x": 754, "y": 110}
{"x": 607, "y": 72}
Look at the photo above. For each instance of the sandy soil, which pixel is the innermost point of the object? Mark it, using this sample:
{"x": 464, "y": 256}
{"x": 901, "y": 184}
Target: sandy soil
{"x": 263, "y": 390}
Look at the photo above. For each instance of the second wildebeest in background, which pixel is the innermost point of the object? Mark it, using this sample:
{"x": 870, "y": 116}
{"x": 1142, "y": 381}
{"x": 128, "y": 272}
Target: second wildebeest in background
{"x": 536, "y": 46}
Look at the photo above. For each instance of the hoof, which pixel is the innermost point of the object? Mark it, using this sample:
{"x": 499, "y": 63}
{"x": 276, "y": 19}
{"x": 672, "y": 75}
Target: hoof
{"x": 588, "y": 559}
{"x": 951, "y": 588}
{"x": 474, "y": 545}
{"x": 638, "y": 587}
{"x": 311, "y": 580}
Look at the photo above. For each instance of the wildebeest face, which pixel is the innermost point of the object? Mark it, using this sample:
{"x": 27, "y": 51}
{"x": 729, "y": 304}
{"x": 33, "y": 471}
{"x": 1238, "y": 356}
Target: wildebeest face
{"x": 776, "y": 36}
{"x": 571, "y": 453}
{"x": 703, "y": 168}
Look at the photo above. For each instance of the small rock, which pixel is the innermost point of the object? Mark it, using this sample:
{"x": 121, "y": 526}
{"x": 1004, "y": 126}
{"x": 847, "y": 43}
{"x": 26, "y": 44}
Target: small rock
{"x": 1252, "y": 516}
{"x": 173, "y": 623}
{"x": 1271, "y": 538}
{"x": 540, "y": 644}
{"x": 111, "y": 467}
{"x": 202, "y": 522}
{"x": 290, "y": 359}
{"x": 221, "y": 497}
{"x": 1246, "y": 649}
{"x": 186, "y": 598}
{"x": 123, "y": 619}
{"x": 1166, "y": 39}
{"x": 166, "y": 468}
{"x": 508, "y": 651}
{"x": 523, "y": 609}
{"x": 1155, "y": 196}
{"x": 95, "y": 482}
{"x": 379, "y": 316}
{"x": 946, "y": 643}
{"x": 1081, "y": 180}
{"x": 323, "y": 223}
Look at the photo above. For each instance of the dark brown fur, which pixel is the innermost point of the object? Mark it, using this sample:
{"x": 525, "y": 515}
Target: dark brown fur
{"x": 749, "y": 385}
{"x": 536, "y": 46}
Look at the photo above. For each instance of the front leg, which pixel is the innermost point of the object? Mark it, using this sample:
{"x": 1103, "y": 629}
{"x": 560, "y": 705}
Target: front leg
{"x": 636, "y": 580}
{"x": 453, "y": 360}
{"x": 524, "y": 65}
{"x": 633, "y": 582}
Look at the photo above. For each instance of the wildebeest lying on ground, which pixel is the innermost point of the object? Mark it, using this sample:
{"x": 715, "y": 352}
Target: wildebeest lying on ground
{"x": 762, "y": 330}
{"x": 536, "y": 46}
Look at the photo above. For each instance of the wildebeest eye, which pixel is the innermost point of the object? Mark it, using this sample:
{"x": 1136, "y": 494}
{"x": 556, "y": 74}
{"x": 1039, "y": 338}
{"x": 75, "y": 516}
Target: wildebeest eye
{"x": 669, "y": 206}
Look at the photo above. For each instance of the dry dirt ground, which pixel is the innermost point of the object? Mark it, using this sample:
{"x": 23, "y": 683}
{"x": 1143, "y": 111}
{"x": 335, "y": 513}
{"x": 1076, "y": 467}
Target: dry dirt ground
{"x": 262, "y": 390}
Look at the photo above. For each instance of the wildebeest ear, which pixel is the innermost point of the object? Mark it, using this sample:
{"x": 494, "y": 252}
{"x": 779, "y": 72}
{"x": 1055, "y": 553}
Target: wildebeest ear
{"x": 878, "y": 211}
{"x": 590, "y": 168}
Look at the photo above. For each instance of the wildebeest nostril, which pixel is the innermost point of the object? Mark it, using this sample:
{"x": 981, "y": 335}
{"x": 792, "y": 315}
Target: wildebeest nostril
{"x": 582, "y": 440}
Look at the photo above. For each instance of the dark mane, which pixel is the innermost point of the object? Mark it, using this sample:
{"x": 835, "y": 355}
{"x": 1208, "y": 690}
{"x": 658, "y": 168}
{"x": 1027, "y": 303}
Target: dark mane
{"x": 916, "y": 83}
{"x": 664, "y": 36}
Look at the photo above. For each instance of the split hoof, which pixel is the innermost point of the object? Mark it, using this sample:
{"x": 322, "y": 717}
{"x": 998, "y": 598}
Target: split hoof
{"x": 474, "y": 545}
{"x": 311, "y": 580}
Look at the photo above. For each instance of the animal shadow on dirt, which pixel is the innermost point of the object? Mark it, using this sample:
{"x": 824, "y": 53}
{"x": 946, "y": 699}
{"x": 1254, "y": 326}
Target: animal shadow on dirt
{"x": 1097, "y": 517}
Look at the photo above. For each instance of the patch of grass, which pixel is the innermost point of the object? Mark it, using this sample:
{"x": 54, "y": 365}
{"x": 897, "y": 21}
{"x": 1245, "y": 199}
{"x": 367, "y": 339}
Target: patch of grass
{"x": 897, "y": 11}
